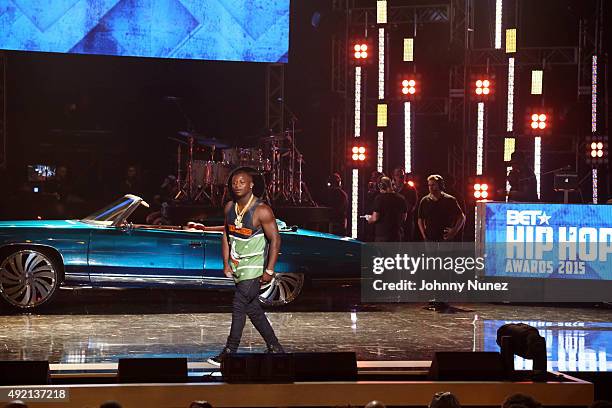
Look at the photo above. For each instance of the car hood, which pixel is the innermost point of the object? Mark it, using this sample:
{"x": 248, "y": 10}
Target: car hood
{"x": 316, "y": 234}
{"x": 44, "y": 224}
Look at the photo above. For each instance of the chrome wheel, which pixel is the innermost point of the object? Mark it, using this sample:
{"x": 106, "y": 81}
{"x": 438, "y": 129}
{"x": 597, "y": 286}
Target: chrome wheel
{"x": 283, "y": 289}
{"x": 28, "y": 278}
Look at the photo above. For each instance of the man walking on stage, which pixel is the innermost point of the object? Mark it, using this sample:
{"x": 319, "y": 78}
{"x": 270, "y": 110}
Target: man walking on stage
{"x": 250, "y": 248}
{"x": 440, "y": 218}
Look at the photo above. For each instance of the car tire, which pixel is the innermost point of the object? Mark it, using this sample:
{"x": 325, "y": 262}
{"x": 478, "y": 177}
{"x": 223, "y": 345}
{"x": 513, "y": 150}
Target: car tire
{"x": 29, "y": 278}
{"x": 282, "y": 290}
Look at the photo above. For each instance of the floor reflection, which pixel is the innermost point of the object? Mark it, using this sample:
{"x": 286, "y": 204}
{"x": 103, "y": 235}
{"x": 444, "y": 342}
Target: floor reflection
{"x": 76, "y": 329}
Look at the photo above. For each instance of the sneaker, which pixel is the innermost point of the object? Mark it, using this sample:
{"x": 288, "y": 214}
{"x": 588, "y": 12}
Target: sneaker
{"x": 216, "y": 360}
{"x": 275, "y": 348}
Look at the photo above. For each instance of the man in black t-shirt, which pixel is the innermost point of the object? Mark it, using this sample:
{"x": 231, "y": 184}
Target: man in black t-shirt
{"x": 440, "y": 217}
{"x": 389, "y": 213}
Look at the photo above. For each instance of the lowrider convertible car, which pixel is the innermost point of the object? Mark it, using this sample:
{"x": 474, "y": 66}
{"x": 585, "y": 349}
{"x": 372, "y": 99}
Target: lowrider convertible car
{"x": 106, "y": 250}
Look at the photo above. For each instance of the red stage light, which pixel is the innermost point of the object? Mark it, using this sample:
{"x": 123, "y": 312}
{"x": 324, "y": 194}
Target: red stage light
{"x": 481, "y": 189}
{"x": 538, "y": 123}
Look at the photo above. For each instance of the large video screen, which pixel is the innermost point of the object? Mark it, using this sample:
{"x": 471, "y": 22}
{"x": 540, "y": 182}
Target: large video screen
{"x": 231, "y": 30}
{"x": 548, "y": 241}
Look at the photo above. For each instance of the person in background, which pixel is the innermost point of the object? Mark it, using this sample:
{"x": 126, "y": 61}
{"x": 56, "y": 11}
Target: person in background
{"x": 408, "y": 191}
{"x": 337, "y": 199}
{"x": 440, "y": 218}
{"x": 389, "y": 213}
{"x": 522, "y": 180}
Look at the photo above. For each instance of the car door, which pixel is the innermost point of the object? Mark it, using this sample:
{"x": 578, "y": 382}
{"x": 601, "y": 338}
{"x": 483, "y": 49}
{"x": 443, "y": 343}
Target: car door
{"x": 146, "y": 256}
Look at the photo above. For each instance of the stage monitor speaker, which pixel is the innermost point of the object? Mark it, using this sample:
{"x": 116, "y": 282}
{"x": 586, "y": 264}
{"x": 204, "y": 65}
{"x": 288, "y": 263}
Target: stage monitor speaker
{"x": 288, "y": 367}
{"x": 259, "y": 368}
{"x": 152, "y": 370}
{"x": 467, "y": 366}
{"x": 24, "y": 372}
{"x": 338, "y": 366}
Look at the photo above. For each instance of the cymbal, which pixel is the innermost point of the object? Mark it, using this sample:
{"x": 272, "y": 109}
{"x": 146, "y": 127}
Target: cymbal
{"x": 204, "y": 141}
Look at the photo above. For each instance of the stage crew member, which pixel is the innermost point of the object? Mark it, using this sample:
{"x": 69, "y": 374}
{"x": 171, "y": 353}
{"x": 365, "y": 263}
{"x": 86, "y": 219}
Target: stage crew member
{"x": 522, "y": 180}
{"x": 389, "y": 213}
{"x": 250, "y": 248}
{"x": 440, "y": 218}
{"x": 403, "y": 188}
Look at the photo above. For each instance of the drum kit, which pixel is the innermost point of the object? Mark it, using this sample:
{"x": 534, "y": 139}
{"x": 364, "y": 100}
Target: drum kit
{"x": 204, "y": 175}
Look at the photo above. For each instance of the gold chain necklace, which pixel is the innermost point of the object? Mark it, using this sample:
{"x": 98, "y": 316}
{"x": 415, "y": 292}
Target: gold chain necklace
{"x": 240, "y": 214}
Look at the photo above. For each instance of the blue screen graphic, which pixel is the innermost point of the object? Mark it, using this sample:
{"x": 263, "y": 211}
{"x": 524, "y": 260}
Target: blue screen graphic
{"x": 230, "y": 30}
{"x": 570, "y": 346}
{"x": 548, "y": 241}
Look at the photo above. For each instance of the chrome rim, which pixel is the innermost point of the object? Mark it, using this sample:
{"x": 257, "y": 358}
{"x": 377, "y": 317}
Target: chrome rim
{"x": 27, "y": 278}
{"x": 283, "y": 289}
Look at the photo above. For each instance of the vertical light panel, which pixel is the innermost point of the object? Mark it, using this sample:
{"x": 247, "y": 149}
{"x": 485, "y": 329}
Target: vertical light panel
{"x": 508, "y": 170}
{"x": 480, "y": 139}
{"x": 537, "y": 76}
{"x": 595, "y": 198}
{"x": 537, "y": 160}
{"x": 510, "y": 110}
{"x": 511, "y": 40}
{"x": 381, "y": 12}
{"x": 380, "y": 151}
{"x": 381, "y": 63}
{"x": 381, "y": 115}
{"x": 509, "y": 147}
{"x": 357, "y": 101}
{"x": 594, "y": 94}
{"x": 498, "y": 24}
{"x": 354, "y": 202}
{"x": 408, "y": 49}
{"x": 407, "y": 138}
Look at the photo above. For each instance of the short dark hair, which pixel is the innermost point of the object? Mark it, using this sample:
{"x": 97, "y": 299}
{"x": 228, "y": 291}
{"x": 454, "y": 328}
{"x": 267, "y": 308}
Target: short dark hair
{"x": 521, "y": 399}
{"x": 384, "y": 183}
{"x": 246, "y": 173}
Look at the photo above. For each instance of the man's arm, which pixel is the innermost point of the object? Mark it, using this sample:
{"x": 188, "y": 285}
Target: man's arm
{"x": 266, "y": 219}
{"x": 373, "y": 219}
{"x": 459, "y": 222}
{"x": 421, "y": 223}
{"x": 225, "y": 251}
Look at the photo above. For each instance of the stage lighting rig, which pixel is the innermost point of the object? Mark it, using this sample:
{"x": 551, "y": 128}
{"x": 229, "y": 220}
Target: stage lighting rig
{"x": 409, "y": 87}
{"x": 482, "y": 188}
{"x": 358, "y": 155}
{"x": 483, "y": 87}
{"x": 538, "y": 122}
{"x": 597, "y": 150}
{"x": 362, "y": 52}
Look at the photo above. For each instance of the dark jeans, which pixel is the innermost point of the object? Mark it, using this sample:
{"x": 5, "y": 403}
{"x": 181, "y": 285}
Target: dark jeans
{"x": 246, "y": 302}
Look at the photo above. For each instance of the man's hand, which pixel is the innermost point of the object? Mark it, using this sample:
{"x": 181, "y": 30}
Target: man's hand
{"x": 449, "y": 233}
{"x": 265, "y": 278}
{"x": 228, "y": 271}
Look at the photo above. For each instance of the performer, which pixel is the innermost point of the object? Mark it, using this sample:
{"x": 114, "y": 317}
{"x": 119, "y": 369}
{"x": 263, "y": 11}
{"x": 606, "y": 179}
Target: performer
{"x": 401, "y": 186}
{"x": 440, "y": 218}
{"x": 250, "y": 248}
{"x": 522, "y": 180}
{"x": 389, "y": 213}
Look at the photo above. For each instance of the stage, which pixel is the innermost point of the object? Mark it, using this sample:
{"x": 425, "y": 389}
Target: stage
{"x": 84, "y": 328}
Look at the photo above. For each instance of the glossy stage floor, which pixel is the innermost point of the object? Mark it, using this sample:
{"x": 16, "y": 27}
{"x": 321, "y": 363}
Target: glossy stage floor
{"x": 84, "y": 327}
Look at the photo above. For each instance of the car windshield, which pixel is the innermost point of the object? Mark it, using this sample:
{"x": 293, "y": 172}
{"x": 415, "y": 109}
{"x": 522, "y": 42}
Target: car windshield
{"x": 111, "y": 212}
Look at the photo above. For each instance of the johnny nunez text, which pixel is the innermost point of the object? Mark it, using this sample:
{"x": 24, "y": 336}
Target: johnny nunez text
{"x": 470, "y": 285}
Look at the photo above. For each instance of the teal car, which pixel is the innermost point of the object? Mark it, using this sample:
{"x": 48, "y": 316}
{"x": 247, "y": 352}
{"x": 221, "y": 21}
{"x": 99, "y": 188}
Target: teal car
{"x": 107, "y": 250}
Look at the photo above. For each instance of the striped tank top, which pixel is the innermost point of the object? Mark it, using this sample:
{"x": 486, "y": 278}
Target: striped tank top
{"x": 248, "y": 245}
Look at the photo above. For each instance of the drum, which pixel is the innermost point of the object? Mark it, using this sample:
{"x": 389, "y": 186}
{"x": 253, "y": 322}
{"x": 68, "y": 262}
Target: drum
{"x": 232, "y": 156}
{"x": 252, "y": 157}
{"x": 221, "y": 173}
{"x": 200, "y": 172}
